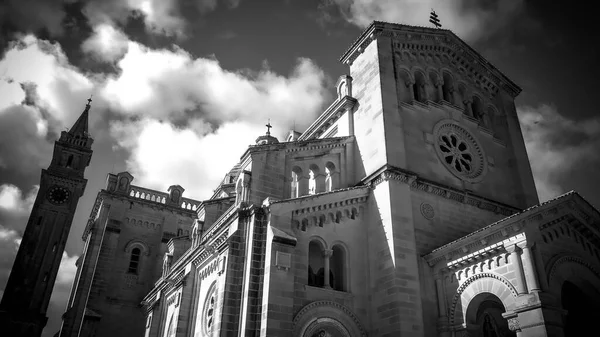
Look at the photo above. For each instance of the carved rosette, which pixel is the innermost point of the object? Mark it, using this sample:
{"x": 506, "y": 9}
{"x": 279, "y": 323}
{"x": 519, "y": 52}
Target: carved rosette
{"x": 513, "y": 324}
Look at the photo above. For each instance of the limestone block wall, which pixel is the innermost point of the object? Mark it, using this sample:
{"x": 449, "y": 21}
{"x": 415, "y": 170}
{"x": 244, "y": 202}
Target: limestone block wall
{"x": 286, "y": 290}
{"x": 368, "y": 118}
{"x": 410, "y": 123}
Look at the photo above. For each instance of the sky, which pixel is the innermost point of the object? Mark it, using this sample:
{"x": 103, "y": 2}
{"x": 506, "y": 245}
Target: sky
{"x": 181, "y": 88}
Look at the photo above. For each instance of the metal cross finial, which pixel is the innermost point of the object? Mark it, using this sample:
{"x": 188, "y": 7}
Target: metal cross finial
{"x": 89, "y": 100}
{"x": 433, "y": 18}
{"x": 268, "y": 127}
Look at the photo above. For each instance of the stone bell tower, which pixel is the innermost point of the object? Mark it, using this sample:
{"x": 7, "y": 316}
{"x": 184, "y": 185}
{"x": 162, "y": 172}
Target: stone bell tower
{"x": 27, "y": 294}
{"x": 440, "y": 143}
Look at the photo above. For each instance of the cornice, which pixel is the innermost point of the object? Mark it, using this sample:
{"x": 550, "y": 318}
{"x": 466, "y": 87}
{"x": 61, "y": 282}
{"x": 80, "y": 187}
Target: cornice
{"x": 387, "y": 173}
{"x": 328, "y": 117}
{"x": 555, "y": 211}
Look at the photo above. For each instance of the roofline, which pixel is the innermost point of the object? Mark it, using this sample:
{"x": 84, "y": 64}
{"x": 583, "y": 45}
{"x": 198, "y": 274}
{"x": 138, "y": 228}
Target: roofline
{"x": 376, "y": 26}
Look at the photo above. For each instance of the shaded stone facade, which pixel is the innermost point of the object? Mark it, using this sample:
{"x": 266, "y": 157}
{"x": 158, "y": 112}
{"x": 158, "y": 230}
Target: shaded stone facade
{"x": 408, "y": 208}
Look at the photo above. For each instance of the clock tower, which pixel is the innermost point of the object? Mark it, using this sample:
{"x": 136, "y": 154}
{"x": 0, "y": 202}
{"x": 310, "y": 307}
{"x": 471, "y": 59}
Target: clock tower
{"x": 27, "y": 294}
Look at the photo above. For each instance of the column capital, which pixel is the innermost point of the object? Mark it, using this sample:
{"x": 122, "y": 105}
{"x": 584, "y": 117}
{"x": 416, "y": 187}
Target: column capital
{"x": 327, "y": 253}
{"x": 525, "y": 244}
{"x": 511, "y": 248}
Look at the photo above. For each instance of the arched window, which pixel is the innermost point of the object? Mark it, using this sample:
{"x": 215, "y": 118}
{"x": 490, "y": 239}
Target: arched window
{"x": 330, "y": 184}
{"x": 477, "y": 108}
{"x": 488, "y": 119}
{"x": 435, "y": 91}
{"x": 314, "y": 186}
{"x": 312, "y": 182}
{"x": 448, "y": 88}
{"x": 295, "y": 184}
{"x": 134, "y": 261}
{"x": 316, "y": 267}
{"x": 419, "y": 87}
{"x": 338, "y": 268}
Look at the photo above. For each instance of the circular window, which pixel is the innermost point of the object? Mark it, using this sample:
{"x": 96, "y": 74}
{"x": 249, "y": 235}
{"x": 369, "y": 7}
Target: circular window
{"x": 459, "y": 151}
{"x": 208, "y": 313}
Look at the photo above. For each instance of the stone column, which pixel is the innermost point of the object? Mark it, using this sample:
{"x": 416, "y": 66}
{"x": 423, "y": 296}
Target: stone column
{"x": 411, "y": 91}
{"x": 441, "y": 298}
{"x": 326, "y": 255}
{"x": 440, "y": 91}
{"x": 529, "y": 267}
{"x": 516, "y": 260}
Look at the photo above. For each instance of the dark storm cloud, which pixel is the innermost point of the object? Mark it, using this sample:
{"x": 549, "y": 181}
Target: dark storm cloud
{"x": 33, "y": 16}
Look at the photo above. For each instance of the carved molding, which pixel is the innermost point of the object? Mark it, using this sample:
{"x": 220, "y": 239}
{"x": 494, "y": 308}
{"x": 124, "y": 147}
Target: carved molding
{"x": 315, "y": 305}
{"x": 570, "y": 259}
{"x": 414, "y": 182}
{"x": 471, "y": 280}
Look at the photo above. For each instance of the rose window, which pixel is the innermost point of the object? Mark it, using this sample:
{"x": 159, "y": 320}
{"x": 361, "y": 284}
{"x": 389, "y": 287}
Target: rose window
{"x": 456, "y": 153}
{"x": 459, "y": 151}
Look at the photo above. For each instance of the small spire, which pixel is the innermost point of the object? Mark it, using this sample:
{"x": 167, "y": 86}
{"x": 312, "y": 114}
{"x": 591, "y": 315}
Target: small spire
{"x": 81, "y": 124}
{"x": 268, "y": 127}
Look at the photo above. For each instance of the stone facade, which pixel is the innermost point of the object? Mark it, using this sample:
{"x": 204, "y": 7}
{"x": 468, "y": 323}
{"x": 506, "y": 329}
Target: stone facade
{"x": 408, "y": 208}
{"x": 127, "y": 236}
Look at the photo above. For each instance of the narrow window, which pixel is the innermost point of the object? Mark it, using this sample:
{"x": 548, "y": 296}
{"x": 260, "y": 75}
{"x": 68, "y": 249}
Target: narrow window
{"x": 448, "y": 88}
{"x": 69, "y": 161}
{"x": 312, "y": 182}
{"x": 477, "y": 107}
{"x": 134, "y": 261}
{"x": 338, "y": 268}
{"x": 419, "y": 87}
{"x": 316, "y": 270}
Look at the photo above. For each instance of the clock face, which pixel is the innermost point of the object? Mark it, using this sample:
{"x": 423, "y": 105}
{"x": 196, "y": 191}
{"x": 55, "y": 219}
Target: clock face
{"x": 58, "y": 195}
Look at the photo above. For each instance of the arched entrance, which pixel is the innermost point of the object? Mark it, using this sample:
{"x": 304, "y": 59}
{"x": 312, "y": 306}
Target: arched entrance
{"x": 582, "y": 310}
{"x": 484, "y": 317}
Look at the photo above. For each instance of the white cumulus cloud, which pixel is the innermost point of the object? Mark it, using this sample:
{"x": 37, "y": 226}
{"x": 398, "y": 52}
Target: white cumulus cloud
{"x": 106, "y": 43}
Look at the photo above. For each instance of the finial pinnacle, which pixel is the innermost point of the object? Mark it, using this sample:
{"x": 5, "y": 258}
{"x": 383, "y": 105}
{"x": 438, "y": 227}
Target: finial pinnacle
{"x": 268, "y": 127}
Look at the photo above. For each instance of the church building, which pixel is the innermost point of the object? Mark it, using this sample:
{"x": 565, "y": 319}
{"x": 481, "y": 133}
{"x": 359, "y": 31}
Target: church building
{"x": 407, "y": 208}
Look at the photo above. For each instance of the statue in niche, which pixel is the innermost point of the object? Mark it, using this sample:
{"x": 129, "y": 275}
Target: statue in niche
{"x": 488, "y": 328}
{"x": 175, "y": 196}
{"x": 122, "y": 183}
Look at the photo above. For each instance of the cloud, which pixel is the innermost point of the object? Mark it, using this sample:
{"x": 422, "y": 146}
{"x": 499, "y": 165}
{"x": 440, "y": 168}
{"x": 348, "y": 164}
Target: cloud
{"x": 163, "y": 17}
{"x": 167, "y": 83}
{"x": 44, "y": 66}
{"x": 13, "y": 201}
{"x": 164, "y": 155}
{"x": 107, "y": 43}
{"x": 558, "y": 147}
{"x": 470, "y": 20}
{"x": 61, "y": 292}
{"x": 34, "y": 15}
{"x": 188, "y": 109}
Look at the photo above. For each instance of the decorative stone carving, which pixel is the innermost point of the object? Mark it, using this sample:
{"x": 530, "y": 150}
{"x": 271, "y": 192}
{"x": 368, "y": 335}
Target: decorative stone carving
{"x": 513, "y": 324}
{"x": 427, "y": 211}
{"x": 459, "y": 151}
{"x": 208, "y": 311}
